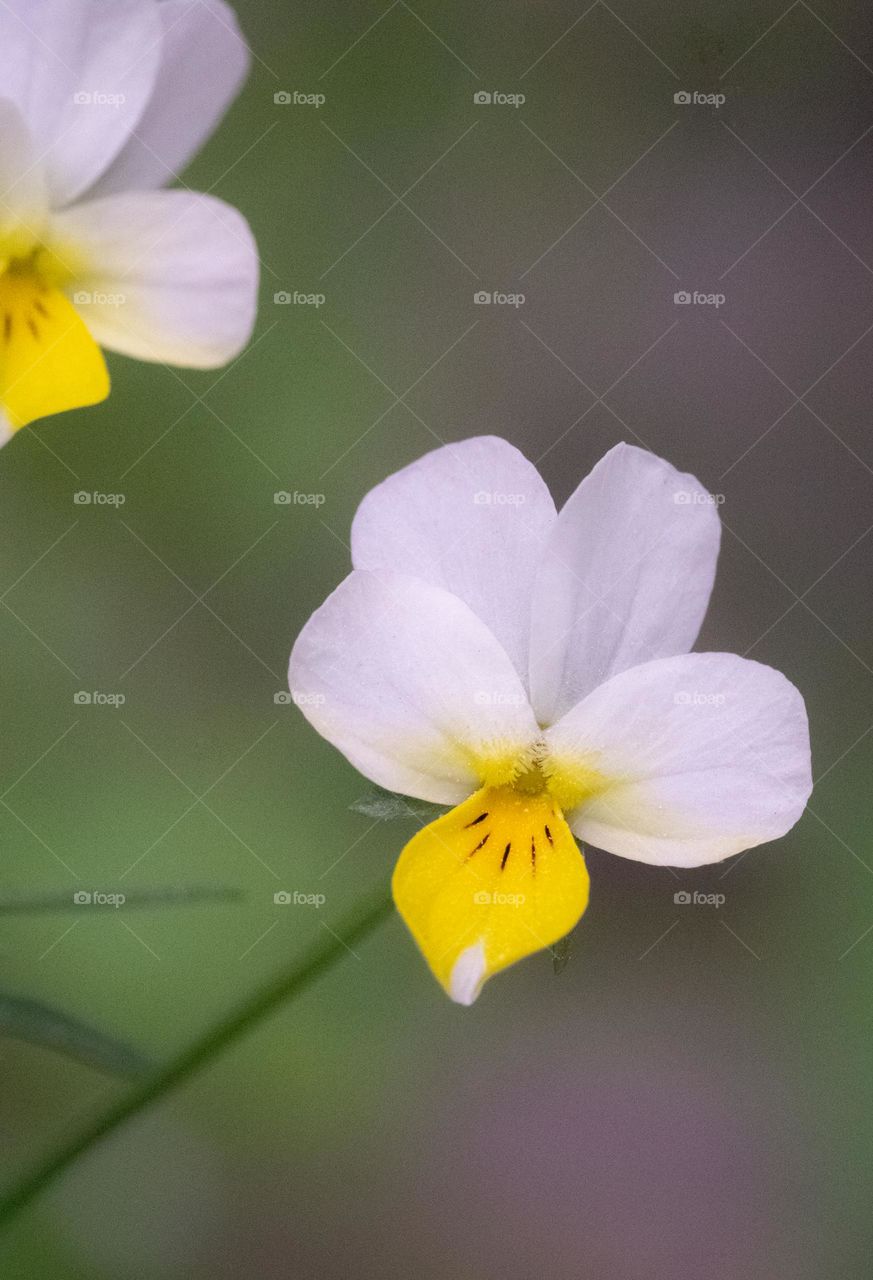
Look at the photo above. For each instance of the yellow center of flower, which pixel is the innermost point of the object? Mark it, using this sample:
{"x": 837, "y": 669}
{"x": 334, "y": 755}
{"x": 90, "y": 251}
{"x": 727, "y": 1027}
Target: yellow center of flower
{"x": 497, "y": 878}
{"x": 48, "y": 360}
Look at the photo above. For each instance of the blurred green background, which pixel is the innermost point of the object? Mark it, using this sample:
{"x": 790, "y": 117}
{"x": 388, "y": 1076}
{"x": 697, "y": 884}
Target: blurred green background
{"x": 691, "y": 1097}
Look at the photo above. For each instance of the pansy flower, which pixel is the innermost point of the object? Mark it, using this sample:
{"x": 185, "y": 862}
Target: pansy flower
{"x": 532, "y": 669}
{"x": 101, "y": 104}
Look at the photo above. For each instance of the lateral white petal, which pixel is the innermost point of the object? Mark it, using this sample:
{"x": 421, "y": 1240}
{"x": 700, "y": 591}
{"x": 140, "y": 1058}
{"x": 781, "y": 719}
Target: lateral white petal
{"x": 204, "y": 61}
{"x": 708, "y": 754}
{"x": 626, "y": 576}
{"x": 471, "y": 517}
{"x": 172, "y": 276}
{"x": 409, "y": 685}
{"x": 81, "y": 72}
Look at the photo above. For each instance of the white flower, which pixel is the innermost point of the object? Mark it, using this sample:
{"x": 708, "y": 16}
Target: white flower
{"x": 532, "y": 669}
{"x": 100, "y": 105}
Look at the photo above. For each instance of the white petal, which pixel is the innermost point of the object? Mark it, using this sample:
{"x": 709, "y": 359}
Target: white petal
{"x": 23, "y": 200}
{"x": 410, "y": 685}
{"x": 471, "y": 517}
{"x": 81, "y": 72}
{"x": 468, "y": 974}
{"x": 204, "y": 61}
{"x": 626, "y": 577}
{"x": 709, "y": 753}
{"x": 172, "y": 276}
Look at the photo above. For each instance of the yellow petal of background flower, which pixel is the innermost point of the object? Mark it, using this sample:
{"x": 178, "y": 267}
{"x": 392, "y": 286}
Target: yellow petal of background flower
{"x": 48, "y": 360}
{"x": 494, "y": 880}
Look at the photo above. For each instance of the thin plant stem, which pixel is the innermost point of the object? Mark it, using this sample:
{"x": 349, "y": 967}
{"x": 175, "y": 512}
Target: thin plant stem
{"x": 318, "y": 959}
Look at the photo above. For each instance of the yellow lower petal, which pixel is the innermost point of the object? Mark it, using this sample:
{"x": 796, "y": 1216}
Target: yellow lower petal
{"x": 48, "y": 360}
{"x": 496, "y": 879}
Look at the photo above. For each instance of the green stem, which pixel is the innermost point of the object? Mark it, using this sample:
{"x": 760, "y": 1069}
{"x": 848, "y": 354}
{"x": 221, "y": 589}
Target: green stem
{"x": 320, "y": 957}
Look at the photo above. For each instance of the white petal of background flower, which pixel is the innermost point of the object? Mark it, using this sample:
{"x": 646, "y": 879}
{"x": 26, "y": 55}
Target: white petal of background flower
{"x": 471, "y": 517}
{"x": 204, "y": 60}
{"x": 409, "y": 684}
{"x": 174, "y": 275}
{"x": 714, "y": 750}
{"x": 81, "y": 72}
{"x": 626, "y": 576}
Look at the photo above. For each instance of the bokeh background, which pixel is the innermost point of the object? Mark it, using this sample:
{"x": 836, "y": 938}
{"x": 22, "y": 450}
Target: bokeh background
{"x": 691, "y": 1096}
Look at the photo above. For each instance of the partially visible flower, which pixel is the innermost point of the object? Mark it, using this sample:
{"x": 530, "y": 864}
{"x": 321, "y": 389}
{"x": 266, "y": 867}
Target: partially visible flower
{"x": 532, "y": 669}
{"x": 100, "y": 105}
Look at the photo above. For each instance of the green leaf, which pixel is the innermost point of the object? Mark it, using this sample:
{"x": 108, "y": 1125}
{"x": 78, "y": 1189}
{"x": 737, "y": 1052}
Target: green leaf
{"x": 24, "y": 903}
{"x": 561, "y": 953}
{"x": 40, "y": 1024}
{"x": 385, "y": 806}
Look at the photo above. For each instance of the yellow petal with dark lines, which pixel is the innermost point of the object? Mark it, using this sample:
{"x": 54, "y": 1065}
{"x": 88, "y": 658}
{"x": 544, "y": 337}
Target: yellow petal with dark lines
{"x": 48, "y": 360}
{"x": 497, "y": 878}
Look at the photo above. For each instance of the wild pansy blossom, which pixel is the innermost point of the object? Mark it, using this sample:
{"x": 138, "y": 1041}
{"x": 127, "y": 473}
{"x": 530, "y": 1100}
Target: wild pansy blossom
{"x": 532, "y": 669}
{"x": 101, "y": 103}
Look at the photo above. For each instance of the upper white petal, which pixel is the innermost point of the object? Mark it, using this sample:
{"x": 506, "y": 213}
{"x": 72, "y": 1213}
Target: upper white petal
{"x": 172, "y": 276}
{"x": 204, "y": 60}
{"x": 23, "y": 196}
{"x": 471, "y": 517}
{"x": 409, "y": 684}
{"x": 81, "y": 72}
{"x": 709, "y": 754}
{"x": 626, "y": 576}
